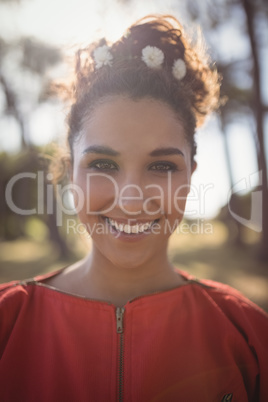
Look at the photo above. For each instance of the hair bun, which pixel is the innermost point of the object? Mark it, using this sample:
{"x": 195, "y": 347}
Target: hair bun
{"x": 154, "y": 58}
{"x": 181, "y": 58}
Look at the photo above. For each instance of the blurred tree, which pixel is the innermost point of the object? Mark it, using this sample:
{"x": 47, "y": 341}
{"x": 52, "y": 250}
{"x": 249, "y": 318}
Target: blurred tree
{"x": 24, "y": 67}
{"x": 243, "y": 99}
{"x": 242, "y": 83}
{"x": 253, "y": 10}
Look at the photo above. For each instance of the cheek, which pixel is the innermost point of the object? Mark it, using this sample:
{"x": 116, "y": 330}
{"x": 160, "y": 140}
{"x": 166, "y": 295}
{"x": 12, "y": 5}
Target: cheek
{"x": 175, "y": 193}
{"x": 179, "y": 197}
{"x": 98, "y": 192}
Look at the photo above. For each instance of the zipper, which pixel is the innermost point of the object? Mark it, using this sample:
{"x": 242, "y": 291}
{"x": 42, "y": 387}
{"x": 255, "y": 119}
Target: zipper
{"x": 120, "y": 330}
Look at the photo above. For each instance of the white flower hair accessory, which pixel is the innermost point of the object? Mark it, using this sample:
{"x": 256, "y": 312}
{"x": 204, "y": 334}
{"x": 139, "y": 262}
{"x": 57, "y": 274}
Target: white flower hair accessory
{"x": 179, "y": 69}
{"x": 102, "y": 56}
{"x": 152, "y": 56}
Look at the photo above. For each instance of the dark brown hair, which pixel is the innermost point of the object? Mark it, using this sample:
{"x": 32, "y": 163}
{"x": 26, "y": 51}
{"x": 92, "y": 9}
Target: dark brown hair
{"x": 192, "y": 98}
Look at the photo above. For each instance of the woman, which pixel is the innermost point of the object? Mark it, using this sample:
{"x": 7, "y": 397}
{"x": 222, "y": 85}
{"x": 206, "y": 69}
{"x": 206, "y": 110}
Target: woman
{"x": 124, "y": 324}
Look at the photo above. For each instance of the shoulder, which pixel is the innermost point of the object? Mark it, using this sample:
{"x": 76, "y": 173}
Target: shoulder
{"x": 234, "y": 309}
{"x": 15, "y": 296}
{"x": 222, "y": 295}
{"x": 18, "y": 304}
{"x": 226, "y": 304}
{"x": 229, "y": 299}
{"x": 11, "y": 292}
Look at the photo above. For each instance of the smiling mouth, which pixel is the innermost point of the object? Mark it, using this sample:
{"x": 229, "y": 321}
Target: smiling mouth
{"x": 131, "y": 229}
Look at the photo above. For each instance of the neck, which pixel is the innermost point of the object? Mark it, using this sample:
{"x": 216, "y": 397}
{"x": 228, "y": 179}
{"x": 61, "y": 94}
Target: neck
{"x": 106, "y": 281}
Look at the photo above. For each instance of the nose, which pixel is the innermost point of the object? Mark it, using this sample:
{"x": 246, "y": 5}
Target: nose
{"x": 131, "y": 197}
{"x": 138, "y": 197}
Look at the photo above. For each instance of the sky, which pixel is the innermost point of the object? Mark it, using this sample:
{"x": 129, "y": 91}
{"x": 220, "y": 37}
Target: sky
{"x": 68, "y": 23}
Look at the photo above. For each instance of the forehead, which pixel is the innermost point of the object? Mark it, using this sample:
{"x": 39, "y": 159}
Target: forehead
{"x": 126, "y": 124}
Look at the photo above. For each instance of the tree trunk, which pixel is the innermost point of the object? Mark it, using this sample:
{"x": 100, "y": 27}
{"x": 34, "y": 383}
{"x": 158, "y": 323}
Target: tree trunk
{"x": 259, "y": 114}
{"x": 11, "y": 108}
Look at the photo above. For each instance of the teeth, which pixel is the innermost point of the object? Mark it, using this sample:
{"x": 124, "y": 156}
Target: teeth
{"x": 138, "y": 228}
{"x": 135, "y": 229}
{"x": 142, "y": 228}
{"x": 146, "y": 226}
{"x": 127, "y": 229}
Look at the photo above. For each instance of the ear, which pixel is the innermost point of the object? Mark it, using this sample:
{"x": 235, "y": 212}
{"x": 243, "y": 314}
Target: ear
{"x": 194, "y": 166}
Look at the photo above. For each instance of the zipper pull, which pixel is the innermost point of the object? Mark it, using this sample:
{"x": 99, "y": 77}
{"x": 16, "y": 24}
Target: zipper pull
{"x": 119, "y": 319}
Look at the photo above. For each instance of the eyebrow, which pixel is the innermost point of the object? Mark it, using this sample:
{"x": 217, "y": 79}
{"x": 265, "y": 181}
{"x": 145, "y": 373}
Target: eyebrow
{"x": 100, "y": 149}
{"x": 105, "y": 150}
{"x": 166, "y": 151}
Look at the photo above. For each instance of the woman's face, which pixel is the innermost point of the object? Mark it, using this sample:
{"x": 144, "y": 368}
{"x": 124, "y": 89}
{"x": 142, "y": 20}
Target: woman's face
{"x": 131, "y": 170}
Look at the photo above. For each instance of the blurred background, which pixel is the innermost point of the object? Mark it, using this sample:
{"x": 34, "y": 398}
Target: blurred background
{"x": 225, "y": 233}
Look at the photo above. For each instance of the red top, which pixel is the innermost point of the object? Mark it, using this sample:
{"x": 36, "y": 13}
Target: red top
{"x": 199, "y": 342}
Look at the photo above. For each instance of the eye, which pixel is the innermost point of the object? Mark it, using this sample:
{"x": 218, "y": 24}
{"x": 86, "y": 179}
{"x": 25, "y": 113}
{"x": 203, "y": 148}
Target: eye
{"x": 163, "y": 167}
{"x": 104, "y": 165}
